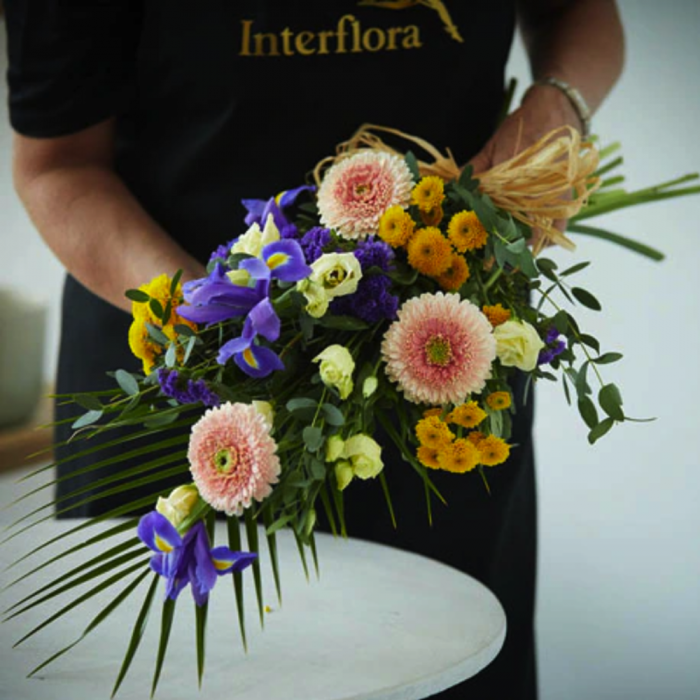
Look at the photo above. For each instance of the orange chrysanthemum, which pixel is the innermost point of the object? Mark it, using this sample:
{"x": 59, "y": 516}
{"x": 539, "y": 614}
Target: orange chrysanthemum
{"x": 493, "y": 450}
{"x": 428, "y": 456}
{"x": 496, "y": 314}
{"x": 437, "y": 411}
{"x": 432, "y": 432}
{"x": 459, "y": 457}
{"x": 433, "y": 216}
{"x": 475, "y": 437}
{"x": 468, "y": 415}
{"x": 428, "y": 193}
{"x": 456, "y": 274}
{"x": 396, "y": 227}
{"x": 466, "y": 231}
{"x": 429, "y": 252}
{"x": 498, "y": 400}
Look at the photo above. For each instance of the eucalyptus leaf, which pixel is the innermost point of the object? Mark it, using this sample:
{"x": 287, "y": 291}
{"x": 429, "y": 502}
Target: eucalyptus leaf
{"x": 586, "y": 298}
{"x": 127, "y": 382}
{"x": 174, "y": 282}
{"x": 87, "y": 419}
{"x": 588, "y": 411}
{"x": 332, "y": 415}
{"x": 574, "y": 269}
{"x": 608, "y": 358}
{"x": 313, "y": 438}
{"x": 590, "y": 341}
{"x": 157, "y": 335}
{"x": 137, "y": 295}
{"x": 89, "y": 402}
{"x": 156, "y": 308}
{"x": 599, "y": 430}
{"x": 610, "y": 401}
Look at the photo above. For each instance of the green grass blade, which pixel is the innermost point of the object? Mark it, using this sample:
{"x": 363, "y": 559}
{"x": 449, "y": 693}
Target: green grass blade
{"x": 623, "y": 241}
{"x": 329, "y": 512}
{"x": 79, "y": 601}
{"x": 314, "y": 554}
{"x": 302, "y": 553}
{"x": 234, "y": 543}
{"x": 166, "y": 625}
{"x": 339, "y": 508}
{"x": 201, "y": 615}
{"x": 254, "y": 546}
{"x": 103, "y": 614}
{"x": 272, "y": 549}
{"x": 136, "y": 634}
{"x": 428, "y": 504}
{"x": 387, "y": 496}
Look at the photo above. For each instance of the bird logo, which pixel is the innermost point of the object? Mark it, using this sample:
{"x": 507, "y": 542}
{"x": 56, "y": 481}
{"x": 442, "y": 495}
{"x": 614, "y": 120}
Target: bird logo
{"x": 436, "y": 5}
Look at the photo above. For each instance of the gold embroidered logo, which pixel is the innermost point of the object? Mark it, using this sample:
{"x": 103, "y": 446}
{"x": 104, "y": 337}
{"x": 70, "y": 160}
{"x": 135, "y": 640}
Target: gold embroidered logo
{"x": 437, "y": 5}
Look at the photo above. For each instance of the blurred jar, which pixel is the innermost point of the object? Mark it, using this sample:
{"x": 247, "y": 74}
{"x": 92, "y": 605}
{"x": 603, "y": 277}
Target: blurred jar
{"x": 22, "y": 344}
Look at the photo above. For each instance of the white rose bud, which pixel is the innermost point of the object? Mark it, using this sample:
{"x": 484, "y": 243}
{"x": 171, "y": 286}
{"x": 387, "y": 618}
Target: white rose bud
{"x": 335, "y": 446}
{"x": 179, "y": 504}
{"x": 343, "y": 474}
{"x": 518, "y": 345}
{"x": 336, "y": 369}
{"x": 369, "y": 386}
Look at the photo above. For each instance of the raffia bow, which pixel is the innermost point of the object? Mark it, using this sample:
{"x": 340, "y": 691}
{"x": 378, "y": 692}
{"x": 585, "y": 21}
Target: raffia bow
{"x": 549, "y": 180}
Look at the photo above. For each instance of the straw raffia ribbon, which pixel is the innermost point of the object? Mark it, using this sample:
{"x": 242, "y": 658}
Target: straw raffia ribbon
{"x": 549, "y": 180}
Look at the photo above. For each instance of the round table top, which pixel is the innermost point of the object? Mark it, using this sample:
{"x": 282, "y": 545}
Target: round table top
{"x": 379, "y": 624}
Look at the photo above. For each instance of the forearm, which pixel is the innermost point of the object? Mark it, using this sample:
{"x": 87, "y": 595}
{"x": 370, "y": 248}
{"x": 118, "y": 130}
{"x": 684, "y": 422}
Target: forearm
{"x": 99, "y": 231}
{"x": 578, "y": 41}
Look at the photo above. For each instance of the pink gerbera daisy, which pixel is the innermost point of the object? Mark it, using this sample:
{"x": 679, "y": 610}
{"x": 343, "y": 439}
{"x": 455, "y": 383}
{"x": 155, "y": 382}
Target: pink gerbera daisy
{"x": 232, "y": 457}
{"x": 356, "y": 192}
{"x": 439, "y": 350}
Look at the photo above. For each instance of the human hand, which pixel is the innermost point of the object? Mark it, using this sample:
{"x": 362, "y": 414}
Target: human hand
{"x": 543, "y": 109}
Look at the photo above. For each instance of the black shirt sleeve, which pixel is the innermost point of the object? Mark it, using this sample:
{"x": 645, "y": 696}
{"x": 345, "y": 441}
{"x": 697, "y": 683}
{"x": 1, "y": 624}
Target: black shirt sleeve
{"x": 72, "y": 63}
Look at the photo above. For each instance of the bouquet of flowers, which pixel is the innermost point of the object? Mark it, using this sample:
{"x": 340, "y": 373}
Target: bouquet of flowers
{"x": 393, "y": 295}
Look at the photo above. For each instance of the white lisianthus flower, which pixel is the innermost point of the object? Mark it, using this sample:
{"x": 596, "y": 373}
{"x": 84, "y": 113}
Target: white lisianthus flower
{"x": 337, "y": 273}
{"x": 317, "y": 300}
{"x": 254, "y": 240}
{"x": 239, "y": 277}
{"x": 518, "y": 345}
{"x": 336, "y": 369}
{"x": 179, "y": 504}
{"x": 364, "y": 455}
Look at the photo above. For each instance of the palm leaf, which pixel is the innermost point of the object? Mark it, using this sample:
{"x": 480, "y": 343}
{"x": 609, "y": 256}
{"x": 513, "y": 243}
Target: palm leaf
{"x": 234, "y": 543}
{"x": 136, "y": 634}
{"x": 102, "y": 615}
{"x": 302, "y": 553}
{"x": 251, "y": 529}
{"x": 166, "y": 625}
{"x": 272, "y": 548}
{"x": 79, "y": 601}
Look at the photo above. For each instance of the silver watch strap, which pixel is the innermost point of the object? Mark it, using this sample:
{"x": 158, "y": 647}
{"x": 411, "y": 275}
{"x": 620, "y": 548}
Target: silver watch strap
{"x": 575, "y": 97}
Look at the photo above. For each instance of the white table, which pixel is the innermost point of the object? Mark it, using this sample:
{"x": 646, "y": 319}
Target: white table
{"x": 380, "y": 624}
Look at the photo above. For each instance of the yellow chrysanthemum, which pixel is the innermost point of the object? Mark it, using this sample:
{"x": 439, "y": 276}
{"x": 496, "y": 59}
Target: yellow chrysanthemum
{"x": 466, "y": 231}
{"x": 428, "y": 456}
{"x": 139, "y": 342}
{"x": 141, "y": 346}
{"x": 396, "y": 227}
{"x": 496, "y": 314}
{"x": 498, "y": 400}
{"x": 468, "y": 415}
{"x": 475, "y": 437}
{"x": 433, "y": 216}
{"x": 428, "y": 193}
{"x": 459, "y": 457}
{"x": 455, "y": 275}
{"x": 437, "y": 411}
{"x": 493, "y": 450}
{"x": 432, "y": 432}
{"x": 429, "y": 252}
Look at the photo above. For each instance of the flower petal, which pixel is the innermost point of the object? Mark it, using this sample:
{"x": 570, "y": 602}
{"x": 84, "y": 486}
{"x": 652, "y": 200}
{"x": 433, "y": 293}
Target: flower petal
{"x": 258, "y": 361}
{"x": 285, "y": 260}
{"x": 226, "y": 560}
{"x": 264, "y": 320}
{"x": 158, "y": 533}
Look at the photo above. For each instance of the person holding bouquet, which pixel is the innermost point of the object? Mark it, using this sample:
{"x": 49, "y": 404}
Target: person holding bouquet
{"x": 140, "y": 126}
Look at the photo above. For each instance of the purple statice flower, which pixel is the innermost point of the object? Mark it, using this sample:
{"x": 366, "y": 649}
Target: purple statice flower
{"x": 190, "y": 391}
{"x": 553, "y": 347}
{"x": 372, "y": 302}
{"x": 189, "y": 559}
{"x": 314, "y": 241}
{"x": 222, "y": 252}
{"x": 374, "y": 253}
{"x": 289, "y": 231}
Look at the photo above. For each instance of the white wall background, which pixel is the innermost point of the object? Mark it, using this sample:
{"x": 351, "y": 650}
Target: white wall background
{"x": 619, "y": 582}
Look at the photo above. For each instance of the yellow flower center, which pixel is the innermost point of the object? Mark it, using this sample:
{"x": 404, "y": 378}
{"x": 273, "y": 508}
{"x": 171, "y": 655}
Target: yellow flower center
{"x": 334, "y": 278}
{"x": 362, "y": 189}
{"x": 438, "y": 350}
{"x": 226, "y": 460}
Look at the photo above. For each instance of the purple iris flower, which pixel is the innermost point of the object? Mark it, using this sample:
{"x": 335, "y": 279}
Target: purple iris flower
{"x": 215, "y": 298}
{"x": 190, "y": 559}
{"x": 259, "y": 209}
{"x": 282, "y": 260}
{"x": 255, "y": 360}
